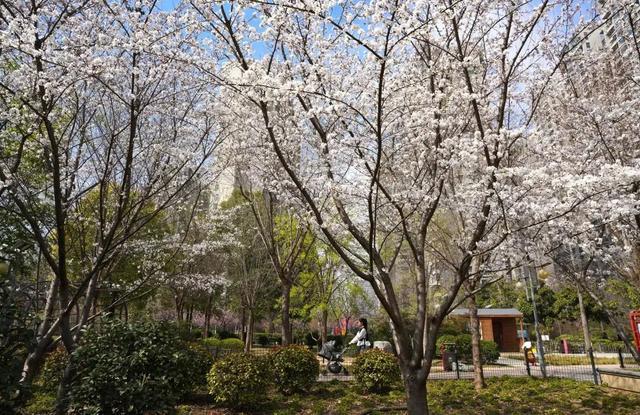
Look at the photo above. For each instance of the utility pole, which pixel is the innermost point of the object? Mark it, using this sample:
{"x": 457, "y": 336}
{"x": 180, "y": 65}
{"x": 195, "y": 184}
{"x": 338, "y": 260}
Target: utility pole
{"x": 536, "y": 323}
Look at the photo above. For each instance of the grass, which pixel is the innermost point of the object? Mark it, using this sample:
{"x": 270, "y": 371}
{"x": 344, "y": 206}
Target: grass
{"x": 501, "y": 397}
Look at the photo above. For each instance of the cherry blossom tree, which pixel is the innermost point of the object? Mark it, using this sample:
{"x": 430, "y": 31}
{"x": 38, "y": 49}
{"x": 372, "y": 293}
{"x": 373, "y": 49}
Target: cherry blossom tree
{"x": 373, "y": 117}
{"x": 97, "y": 101}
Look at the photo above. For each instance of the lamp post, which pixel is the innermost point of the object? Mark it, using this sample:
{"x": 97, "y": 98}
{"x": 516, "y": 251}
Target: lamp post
{"x": 536, "y": 323}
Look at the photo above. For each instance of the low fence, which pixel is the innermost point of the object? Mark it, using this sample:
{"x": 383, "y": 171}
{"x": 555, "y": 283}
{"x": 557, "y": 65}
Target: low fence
{"x": 554, "y": 363}
{"x": 576, "y": 365}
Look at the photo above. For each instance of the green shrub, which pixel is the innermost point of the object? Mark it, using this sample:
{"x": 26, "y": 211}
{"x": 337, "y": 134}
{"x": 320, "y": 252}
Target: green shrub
{"x": 211, "y": 342}
{"x": 266, "y": 339}
{"x": 488, "y": 349}
{"x": 239, "y": 380}
{"x": 186, "y": 331}
{"x": 52, "y": 369}
{"x": 130, "y": 369}
{"x": 231, "y": 344}
{"x": 376, "y": 370}
{"x": 200, "y": 360}
{"x": 295, "y": 368}
{"x": 225, "y": 334}
{"x": 16, "y": 341}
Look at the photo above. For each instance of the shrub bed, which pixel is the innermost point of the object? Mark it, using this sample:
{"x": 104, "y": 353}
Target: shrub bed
{"x": 295, "y": 368}
{"x": 375, "y": 370}
{"x": 239, "y": 380}
{"x": 130, "y": 369}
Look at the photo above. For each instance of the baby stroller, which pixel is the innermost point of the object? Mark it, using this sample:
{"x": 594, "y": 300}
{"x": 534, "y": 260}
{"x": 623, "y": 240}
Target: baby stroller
{"x": 330, "y": 352}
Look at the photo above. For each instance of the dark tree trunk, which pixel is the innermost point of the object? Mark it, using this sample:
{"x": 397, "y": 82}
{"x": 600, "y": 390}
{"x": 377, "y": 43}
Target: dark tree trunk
{"x": 207, "y": 318}
{"x": 287, "y": 337}
{"x": 415, "y": 384}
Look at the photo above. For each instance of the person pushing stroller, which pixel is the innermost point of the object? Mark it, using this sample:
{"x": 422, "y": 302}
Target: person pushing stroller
{"x": 361, "y": 339}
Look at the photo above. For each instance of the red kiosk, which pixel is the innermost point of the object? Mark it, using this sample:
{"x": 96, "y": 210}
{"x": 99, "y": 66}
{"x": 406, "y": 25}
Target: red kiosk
{"x": 634, "y": 319}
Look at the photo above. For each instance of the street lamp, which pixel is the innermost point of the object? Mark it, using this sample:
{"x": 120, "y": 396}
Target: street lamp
{"x": 536, "y": 323}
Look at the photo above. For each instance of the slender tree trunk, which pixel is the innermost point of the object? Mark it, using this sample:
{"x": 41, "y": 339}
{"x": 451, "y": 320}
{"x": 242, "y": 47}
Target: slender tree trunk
{"x": 34, "y": 359}
{"x": 584, "y": 321}
{"x": 49, "y": 307}
{"x": 243, "y": 324}
{"x": 287, "y": 337}
{"x": 88, "y": 302}
{"x": 478, "y": 372}
{"x": 325, "y": 324}
{"x": 207, "y": 317}
{"x": 249, "y": 336}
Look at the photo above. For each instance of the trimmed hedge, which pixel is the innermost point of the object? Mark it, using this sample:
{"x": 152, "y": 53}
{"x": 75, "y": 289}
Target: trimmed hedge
{"x": 295, "y": 368}
{"x": 239, "y": 380}
{"x": 376, "y": 370}
{"x": 231, "y": 343}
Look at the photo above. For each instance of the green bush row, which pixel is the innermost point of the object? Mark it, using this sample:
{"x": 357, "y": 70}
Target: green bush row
{"x": 229, "y": 343}
{"x": 241, "y": 380}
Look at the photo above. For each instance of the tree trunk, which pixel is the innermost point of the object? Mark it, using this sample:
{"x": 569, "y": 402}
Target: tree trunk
{"x": 478, "y": 373}
{"x": 325, "y": 324}
{"x": 179, "y": 306}
{"x": 415, "y": 385}
{"x": 34, "y": 360}
{"x": 48, "y": 308}
{"x": 584, "y": 321}
{"x": 249, "y": 337}
{"x": 207, "y": 317}
{"x": 287, "y": 338}
{"x": 88, "y": 303}
{"x": 243, "y": 325}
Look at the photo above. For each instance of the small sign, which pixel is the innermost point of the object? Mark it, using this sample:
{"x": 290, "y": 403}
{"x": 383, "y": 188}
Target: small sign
{"x": 522, "y": 334}
{"x": 544, "y": 337}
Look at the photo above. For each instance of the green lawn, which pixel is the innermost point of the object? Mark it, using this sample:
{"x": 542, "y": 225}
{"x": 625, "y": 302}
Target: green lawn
{"x": 502, "y": 396}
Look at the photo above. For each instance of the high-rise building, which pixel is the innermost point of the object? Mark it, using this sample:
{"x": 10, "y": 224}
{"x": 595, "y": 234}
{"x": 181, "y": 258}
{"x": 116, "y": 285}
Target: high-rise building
{"x": 622, "y": 27}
